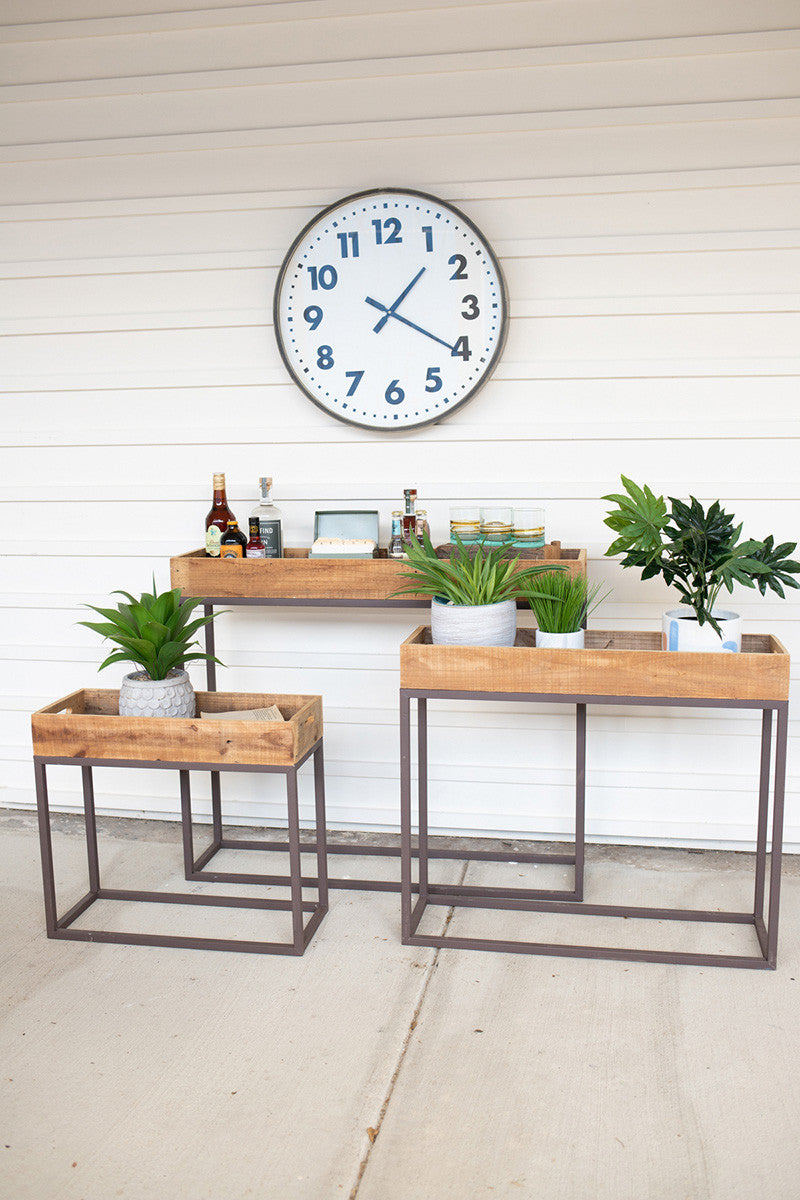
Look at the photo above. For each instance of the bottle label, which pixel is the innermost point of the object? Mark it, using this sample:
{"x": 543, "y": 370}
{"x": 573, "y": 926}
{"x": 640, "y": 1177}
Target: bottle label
{"x": 231, "y": 550}
{"x": 213, "y": 535}
{"x": 270, "y": 532}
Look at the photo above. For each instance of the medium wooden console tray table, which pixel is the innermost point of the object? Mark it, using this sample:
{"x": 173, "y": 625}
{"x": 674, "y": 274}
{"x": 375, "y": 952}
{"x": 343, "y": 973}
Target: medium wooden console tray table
{"x": 614, "y": 669}
{"x": 85, "y": 730}
{"x": 326, "y": 583}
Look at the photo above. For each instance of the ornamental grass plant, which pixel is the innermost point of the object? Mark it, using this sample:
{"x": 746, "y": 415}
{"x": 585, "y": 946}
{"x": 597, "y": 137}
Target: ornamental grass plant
{"x": 472, "y": 575}
{"x": 563, "y": 602}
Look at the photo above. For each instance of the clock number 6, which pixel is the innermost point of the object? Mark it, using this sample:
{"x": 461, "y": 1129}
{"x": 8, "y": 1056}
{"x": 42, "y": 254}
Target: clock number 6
{"x": 394, "y": 393}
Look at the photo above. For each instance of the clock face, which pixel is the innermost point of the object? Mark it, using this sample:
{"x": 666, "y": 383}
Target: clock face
{"x": 390, "y": 309}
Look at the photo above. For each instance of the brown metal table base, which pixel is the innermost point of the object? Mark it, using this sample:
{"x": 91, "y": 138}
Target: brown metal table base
{"x": 764, "y": 923}
{"x": 62, "y": 927}
{"x": 220, "y": 842}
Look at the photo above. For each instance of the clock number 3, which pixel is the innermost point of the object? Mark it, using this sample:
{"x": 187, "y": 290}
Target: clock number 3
{"x": 472, "y": 311}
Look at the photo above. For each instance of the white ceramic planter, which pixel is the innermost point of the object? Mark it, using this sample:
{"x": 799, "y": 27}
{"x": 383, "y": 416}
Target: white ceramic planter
{"x": 141, "y": 696}
{"x": 473, "y": 625}
{"x": 680, "y": 631}
{"x": 560, "y": 641}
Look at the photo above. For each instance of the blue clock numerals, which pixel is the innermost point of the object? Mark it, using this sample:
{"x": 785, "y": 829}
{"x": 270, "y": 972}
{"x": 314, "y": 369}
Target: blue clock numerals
{"x": 356, "y": 377}
{"x": 393, "y": 225}
{"x": 433, "y": 380}
{"x": 460, "y": 263}
{"x": 428, "y": 231}
{"x": 394, "y": 393}
{"x": 324, "y": 357}
{"x": 349, "y": 241}
{"x": 312, "y": 314}
{"x": 323, "y": 277}
{"x": 461, "y": 349}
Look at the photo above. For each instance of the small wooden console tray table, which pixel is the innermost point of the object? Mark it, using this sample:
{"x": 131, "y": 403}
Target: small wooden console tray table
{"x": 297, "y": 580}
{"x": 614, "y": 669}
{"x": 85, "y": 730}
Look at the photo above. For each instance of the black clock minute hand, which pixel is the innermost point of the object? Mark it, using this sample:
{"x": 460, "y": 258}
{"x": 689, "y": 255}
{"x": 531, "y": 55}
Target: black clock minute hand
{"x": 419, "y": 329}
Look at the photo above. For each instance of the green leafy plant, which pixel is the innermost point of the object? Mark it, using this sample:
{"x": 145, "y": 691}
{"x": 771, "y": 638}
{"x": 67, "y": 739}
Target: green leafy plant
{"x": 471, "y": 575}
{"x": 695, "y": 549}
{"x": 154, "y": 632}
{"x": 562, "y": 602}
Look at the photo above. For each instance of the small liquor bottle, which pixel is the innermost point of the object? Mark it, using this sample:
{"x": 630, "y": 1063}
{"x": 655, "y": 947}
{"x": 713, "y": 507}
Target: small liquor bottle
{"x": 270, "y": 521}
{"x": 255, "y": 547}
{"x": 218, "y": 517}
{"x": 422, "y": 524}
{"x": 396, "y": 546}
{"x": 409, "y": 516}
{"x": 232, "y": 543}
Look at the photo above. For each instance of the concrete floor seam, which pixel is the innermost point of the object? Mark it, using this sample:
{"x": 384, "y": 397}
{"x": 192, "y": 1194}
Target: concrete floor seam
{"x": 404, "y": 1048}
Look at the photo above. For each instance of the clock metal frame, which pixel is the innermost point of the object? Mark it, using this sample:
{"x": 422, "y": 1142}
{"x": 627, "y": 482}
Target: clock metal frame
{"x": 486, "y": 249}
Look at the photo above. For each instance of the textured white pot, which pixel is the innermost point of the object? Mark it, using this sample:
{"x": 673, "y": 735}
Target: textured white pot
{"x": 473, "y": 625}
{"x": 141, "y": 696}
{"x": 680, "y": 631}
{"x": 560, "y": 641}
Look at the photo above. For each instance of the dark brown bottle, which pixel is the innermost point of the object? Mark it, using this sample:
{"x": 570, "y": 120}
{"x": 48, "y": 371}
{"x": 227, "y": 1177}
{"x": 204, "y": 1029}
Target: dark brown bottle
{"x": 255, "y": 547}
{"x": 217, "y": 520}
{"x": 233, "y": 542}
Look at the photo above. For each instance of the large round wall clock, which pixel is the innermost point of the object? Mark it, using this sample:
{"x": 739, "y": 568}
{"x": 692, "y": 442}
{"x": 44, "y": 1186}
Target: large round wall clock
{"x": 390, "y": 309}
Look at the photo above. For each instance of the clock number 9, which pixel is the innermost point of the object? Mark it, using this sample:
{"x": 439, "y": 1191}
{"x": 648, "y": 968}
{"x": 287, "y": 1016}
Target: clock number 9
{"x": 394, "y": 393}
{"x": 313, "y": 314}
{"x": 324, "y": 357}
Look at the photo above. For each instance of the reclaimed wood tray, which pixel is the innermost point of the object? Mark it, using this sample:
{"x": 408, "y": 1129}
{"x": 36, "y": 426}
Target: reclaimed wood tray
{"x": 297, "y": 577}
{"x": 87, "y": 725}
{"x": 612, "y": 664}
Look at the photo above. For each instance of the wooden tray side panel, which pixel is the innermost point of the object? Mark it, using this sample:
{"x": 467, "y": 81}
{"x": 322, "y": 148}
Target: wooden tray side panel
{"x": 299, "y": 578}
{"x": 175, "y": 739}
{"x": 593, "y": 672}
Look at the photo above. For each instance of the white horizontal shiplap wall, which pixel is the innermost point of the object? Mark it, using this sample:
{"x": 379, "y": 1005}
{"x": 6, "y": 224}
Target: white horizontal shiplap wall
{"x": 635, "y": 166}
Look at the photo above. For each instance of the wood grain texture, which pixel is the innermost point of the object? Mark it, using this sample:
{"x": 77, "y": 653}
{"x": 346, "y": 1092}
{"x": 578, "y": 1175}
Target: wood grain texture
{"x": 612, "y": 664}
{"x": 296, "y": 577}
{"x": 87, "y": 724}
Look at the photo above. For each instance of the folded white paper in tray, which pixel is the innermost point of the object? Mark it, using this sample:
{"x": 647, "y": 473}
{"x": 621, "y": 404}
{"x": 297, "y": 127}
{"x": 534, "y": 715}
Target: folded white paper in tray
{"x": 337, "y": 545}
{"x": 273, "y": 713}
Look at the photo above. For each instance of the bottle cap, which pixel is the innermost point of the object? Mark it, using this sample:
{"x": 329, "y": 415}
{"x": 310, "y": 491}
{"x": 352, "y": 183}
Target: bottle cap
{"x": 219, "y": 480}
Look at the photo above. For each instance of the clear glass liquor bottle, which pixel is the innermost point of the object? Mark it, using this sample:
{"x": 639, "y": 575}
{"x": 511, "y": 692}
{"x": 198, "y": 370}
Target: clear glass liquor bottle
{"x": 396, "y": 547}
{"x": 270, "y": 521}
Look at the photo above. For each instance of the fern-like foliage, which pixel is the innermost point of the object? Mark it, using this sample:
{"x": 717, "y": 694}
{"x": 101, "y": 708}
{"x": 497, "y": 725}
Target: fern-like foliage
{"x": 697, "y": 550}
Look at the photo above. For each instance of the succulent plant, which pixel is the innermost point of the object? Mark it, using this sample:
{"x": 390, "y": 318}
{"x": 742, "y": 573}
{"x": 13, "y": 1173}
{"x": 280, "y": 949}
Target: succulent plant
{"x": 154, "y": 632}
{"x": 472, "y": 575}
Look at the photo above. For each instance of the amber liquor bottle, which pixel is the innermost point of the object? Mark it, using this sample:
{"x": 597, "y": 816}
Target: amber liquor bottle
{"x": 233, "y": 542}
{"x": 217, "y": 519}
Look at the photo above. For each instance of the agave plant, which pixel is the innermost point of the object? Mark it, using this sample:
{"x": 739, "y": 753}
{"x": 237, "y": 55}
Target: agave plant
{"x": 471, "y": 575}
{"x": 695, "y": 549}
{"x": 154, "y": 632}
{"x": 563, "y": 602}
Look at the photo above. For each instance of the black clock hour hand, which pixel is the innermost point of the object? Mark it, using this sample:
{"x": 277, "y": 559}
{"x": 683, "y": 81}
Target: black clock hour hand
{"x": 389, "y": 312}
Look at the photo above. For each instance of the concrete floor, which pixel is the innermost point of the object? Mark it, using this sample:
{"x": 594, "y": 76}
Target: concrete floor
{"x": 372, "y": 1071}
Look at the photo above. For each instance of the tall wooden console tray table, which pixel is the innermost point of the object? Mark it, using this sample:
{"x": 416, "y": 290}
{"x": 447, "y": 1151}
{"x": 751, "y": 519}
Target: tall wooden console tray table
{"x": 327, "y": 583}
{"x": 614, "y": 669}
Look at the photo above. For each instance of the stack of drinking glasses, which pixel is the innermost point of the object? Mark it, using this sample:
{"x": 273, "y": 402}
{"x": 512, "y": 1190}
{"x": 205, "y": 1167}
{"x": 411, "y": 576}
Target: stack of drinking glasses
{"x": 497, "y": 525}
